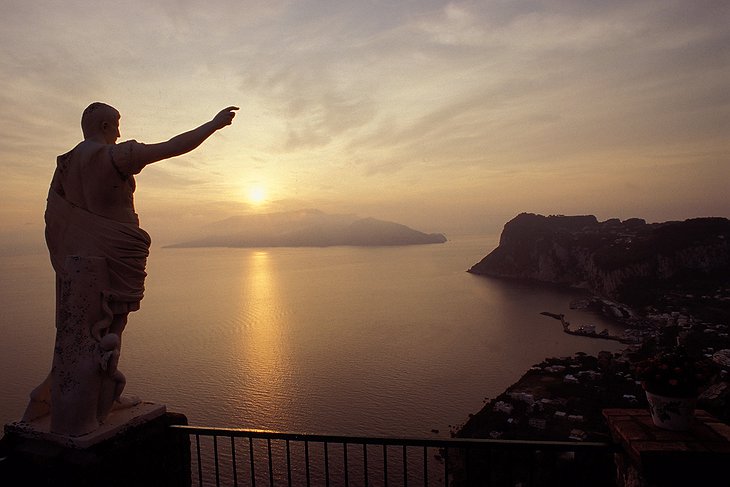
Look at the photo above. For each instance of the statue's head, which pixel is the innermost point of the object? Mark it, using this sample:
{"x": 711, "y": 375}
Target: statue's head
{"x": 101, "y": 121}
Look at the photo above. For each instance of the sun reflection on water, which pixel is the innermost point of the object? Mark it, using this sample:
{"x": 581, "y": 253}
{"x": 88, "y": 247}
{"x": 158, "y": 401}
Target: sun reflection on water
{"x": 262, "y": 356}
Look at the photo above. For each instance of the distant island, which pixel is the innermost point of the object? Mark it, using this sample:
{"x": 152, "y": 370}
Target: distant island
{"x": 307, "y": 228}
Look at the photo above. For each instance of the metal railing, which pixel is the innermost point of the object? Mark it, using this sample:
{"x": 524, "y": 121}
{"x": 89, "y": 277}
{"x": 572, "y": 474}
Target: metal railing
{"x": 238, "y": 457}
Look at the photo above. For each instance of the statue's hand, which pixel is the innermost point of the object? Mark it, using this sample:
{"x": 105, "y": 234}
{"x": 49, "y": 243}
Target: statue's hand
{"x": 224, "y": 117}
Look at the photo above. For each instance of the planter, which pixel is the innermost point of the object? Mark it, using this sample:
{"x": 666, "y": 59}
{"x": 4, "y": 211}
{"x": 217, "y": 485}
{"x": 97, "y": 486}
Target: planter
{"x": 671, "y": 413}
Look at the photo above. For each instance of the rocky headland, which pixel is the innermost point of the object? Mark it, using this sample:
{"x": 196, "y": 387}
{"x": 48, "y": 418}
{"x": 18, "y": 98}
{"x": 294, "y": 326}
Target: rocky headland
{"x": 633, "y": 262}
{"x": 665, "y": 282}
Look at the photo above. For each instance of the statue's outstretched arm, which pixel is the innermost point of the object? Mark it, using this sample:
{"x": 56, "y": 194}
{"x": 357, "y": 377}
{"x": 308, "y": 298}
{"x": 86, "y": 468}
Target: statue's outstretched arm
{"x": 185, "y": 142}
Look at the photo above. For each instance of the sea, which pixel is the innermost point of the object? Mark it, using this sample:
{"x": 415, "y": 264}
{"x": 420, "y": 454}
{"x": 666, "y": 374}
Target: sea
{"x": 397, "y": 341}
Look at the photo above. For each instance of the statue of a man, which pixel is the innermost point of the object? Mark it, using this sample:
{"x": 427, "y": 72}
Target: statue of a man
{"x": 90, "y": 215}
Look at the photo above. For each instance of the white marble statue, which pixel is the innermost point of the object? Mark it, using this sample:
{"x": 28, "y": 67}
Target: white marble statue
{"x": 99, "y": 253}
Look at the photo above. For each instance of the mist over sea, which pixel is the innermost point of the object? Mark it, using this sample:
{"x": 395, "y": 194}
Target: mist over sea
{"x": 341, "y": 340}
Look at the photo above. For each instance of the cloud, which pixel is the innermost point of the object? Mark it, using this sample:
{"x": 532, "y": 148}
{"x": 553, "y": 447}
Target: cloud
{"x": 411, "y": 96}
{"x": 557, "y": 83}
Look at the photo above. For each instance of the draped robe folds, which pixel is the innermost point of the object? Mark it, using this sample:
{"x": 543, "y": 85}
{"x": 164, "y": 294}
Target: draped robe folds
{"x": 71, "y": 230}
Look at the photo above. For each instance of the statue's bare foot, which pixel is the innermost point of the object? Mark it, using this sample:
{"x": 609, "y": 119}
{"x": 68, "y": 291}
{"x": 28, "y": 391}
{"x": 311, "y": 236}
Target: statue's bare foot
{"x": 36, "y": 409}
{"x": 125, "y": 402}
{"x": 40, "y": 401}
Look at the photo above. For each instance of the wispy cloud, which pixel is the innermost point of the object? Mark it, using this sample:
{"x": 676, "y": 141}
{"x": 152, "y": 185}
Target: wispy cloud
{"x": 419, "y": 95}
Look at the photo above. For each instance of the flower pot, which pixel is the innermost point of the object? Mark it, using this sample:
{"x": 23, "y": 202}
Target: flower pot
{"x": 671, "y": 413}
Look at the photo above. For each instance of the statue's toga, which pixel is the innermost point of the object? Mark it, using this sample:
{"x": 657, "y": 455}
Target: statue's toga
{"x": 99, "y": 253}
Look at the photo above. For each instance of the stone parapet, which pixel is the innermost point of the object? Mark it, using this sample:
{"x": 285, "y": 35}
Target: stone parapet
{"x": 653, "y": 457}
{"x": 143, "y": 453}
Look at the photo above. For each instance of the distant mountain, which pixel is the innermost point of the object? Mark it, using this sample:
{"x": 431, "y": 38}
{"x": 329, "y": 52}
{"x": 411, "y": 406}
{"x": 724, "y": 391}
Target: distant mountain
{"x": 307, "y": 228}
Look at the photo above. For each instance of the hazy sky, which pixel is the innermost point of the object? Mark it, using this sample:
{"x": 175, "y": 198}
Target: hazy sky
{"x": 445, "y": 116}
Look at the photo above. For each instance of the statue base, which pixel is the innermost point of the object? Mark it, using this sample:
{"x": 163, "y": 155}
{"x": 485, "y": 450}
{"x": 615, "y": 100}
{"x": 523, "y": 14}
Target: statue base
{"x": 117, "y": 421}
{"x": 134, "y": 446}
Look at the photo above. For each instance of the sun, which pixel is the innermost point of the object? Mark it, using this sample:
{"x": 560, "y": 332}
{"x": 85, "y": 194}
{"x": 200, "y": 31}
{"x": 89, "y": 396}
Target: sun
{"x": 256, "y": 195}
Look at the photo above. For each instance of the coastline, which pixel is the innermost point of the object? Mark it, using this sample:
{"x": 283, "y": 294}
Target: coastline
{"x": 561, "y": 398}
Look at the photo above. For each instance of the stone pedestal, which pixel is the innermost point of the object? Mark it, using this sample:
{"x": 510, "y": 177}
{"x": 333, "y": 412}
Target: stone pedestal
{"x": 84, "y": 381}
{"x": 133, "y": 447}
{"x": 76, "y": 376}
{"x": 653, "y": 457}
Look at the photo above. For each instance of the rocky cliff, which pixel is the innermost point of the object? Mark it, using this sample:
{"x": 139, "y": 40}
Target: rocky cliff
{"x": 631, "y": 261}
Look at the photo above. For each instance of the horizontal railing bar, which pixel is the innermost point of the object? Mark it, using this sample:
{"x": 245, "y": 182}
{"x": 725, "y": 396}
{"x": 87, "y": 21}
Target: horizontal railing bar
{"x": 386, "y": 440}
